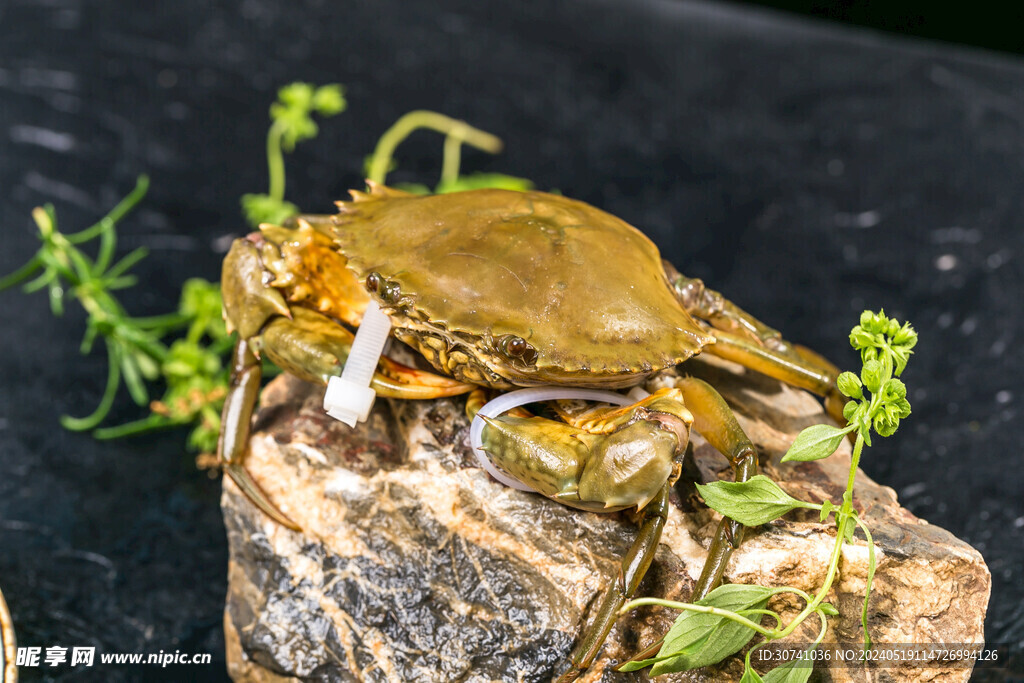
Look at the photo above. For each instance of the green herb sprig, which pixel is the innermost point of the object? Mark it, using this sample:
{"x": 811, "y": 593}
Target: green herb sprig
{"x": 292, "y": 117}
{"x": 457, "y": 133}
{"x": 136, "y": 351}
{"x": 730, "y": 616}
{"x": 133, "y": 349}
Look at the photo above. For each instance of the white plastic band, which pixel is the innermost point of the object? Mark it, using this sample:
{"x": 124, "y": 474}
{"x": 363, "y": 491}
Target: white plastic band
{"x": 514, "y": 399}
{"x": 349, "y": 398}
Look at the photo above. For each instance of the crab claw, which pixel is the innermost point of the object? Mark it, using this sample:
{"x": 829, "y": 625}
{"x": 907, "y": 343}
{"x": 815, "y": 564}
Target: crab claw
{"x": 600, "y": 472}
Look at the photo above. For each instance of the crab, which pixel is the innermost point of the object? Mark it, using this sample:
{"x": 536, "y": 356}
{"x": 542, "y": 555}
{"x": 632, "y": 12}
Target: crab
{"x": 496, "y": 290}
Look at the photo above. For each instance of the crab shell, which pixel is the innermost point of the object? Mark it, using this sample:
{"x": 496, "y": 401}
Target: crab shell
{"x": 463, "y": 276}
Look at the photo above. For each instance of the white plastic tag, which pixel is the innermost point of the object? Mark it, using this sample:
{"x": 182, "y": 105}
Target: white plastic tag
{"x": 349, "y": 398}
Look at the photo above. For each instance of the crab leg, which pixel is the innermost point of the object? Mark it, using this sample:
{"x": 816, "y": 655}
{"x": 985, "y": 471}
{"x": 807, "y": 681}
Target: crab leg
{"x": 715, "y": 421}
{"x": 236, "y": 421}
{"x": 635, "y": 564}
{"x": 709, "y": 305}
{"x": 621, "y": 466}
{"x": 313, "y": 347}
{"x": 713, "y": 418}
{"x": 746, "y": 340}
{"x": 569, "y": 464}
{"x": 306, "y": 343}
{"x": 801, "y": 367}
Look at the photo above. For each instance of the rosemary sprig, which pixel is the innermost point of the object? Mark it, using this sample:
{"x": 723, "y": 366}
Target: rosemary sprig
{"x": 136, "y": 352}
{"x": 133, "y": 348}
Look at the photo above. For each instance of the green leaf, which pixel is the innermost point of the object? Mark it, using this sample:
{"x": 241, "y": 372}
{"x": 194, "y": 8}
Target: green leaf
{"x": 262, "y": 208}
{"x": 816, "y": 442}
{"x": 480, "y": 181}
{"x": 795, "y": 671}
{"x": 751, "y": 503}
{"x": 296, "y": 102}
{"x": 828, "y": 609}
{"x": 870, "y": 578}
{"x": 697, "y": 639}
{"x": 749, "y": 675}
{"x": 864, "y": 429}
{"x": 826, "y": 509}
{"x": 329, "y": 100}
{"x": 638, "y": 664}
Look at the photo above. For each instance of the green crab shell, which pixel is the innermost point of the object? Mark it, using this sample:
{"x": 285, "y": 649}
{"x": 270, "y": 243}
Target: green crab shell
{"x": 585, "y": 289}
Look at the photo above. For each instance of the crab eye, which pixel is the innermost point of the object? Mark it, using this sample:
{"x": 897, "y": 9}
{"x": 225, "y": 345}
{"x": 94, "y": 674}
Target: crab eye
{"x": 517, "y": 347}
{"x": 390, "y": 292}
{"x": 373, "y": 281}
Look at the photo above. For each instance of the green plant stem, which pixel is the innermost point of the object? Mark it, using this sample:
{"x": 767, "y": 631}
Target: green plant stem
{"x": 689, "y": 607}
{"x": 162, "y": 323}
{"x": 21, "y": 274}
{"x": 460, "y": 131}
{"x": 114, "y": 215}
{"x": 867, "y": 582}
{"x": 845, "y": 517}
{"x": 824, "y": 629}
{"x": 142, "y": 426}
{"x": 80, "y": 424}
{"x": 765, "y": 612}
{"x": 451, "y": 160}
{"x": 275, "y": 160}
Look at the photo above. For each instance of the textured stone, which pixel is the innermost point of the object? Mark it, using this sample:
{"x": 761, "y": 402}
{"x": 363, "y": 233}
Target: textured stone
{"x": 414, "y": 565}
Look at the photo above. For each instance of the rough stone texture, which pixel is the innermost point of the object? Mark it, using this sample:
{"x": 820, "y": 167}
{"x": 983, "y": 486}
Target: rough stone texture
{"x": 415, "y": 565}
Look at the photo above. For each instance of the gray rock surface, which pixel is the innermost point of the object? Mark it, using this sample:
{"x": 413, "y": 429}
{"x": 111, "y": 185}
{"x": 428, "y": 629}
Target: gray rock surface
{"x": 414, "y": 565}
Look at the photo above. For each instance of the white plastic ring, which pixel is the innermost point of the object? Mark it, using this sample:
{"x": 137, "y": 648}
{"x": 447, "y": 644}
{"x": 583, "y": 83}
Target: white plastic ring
{"x": 514, "y": 399}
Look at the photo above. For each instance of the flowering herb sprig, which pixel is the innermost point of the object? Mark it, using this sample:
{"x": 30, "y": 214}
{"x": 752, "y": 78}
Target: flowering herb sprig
{"x": 708, "y": 631}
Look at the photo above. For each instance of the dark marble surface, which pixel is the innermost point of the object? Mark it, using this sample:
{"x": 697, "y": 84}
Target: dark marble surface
{"x": 806, "y": 171}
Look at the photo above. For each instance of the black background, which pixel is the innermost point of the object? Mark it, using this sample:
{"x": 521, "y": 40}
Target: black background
{"x": 806, "y": 170}
{"x": 992, "y": 25}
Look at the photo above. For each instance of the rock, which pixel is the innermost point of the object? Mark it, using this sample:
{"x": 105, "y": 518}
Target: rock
{"x": 415, "y": 565}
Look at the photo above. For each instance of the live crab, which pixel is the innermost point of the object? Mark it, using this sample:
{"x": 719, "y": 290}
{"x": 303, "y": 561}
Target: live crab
{"x": 497, "y": 290}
